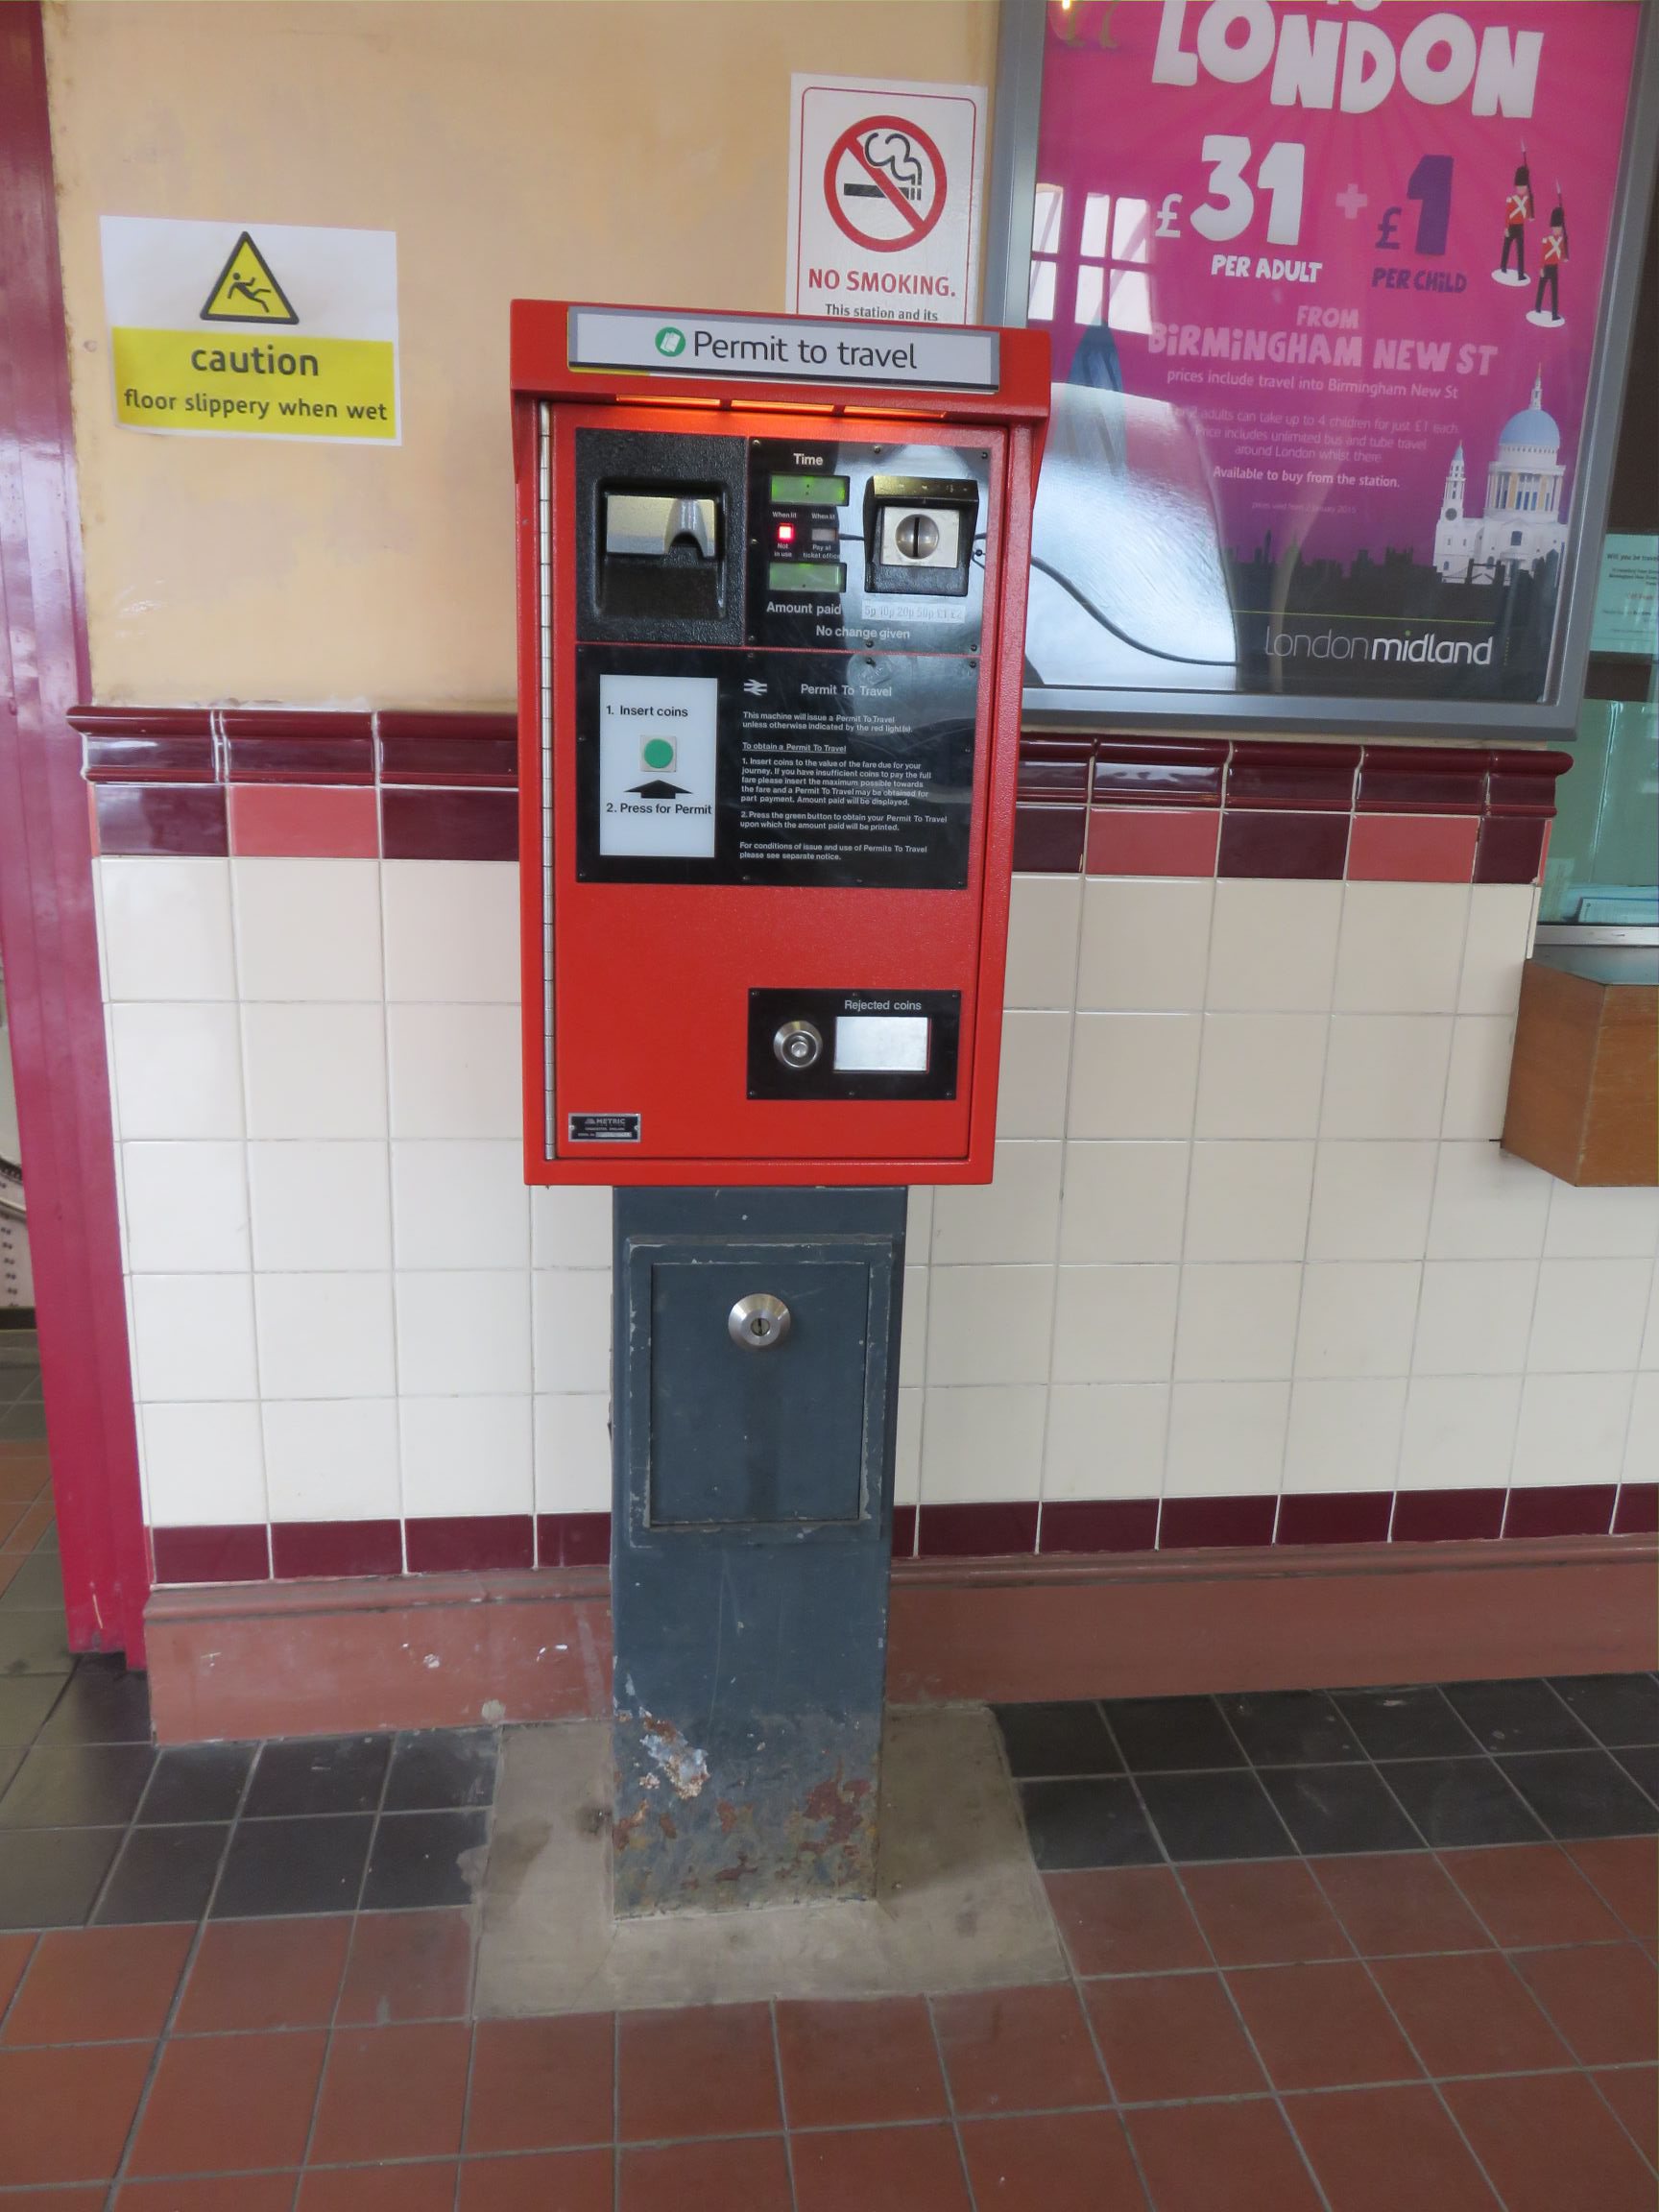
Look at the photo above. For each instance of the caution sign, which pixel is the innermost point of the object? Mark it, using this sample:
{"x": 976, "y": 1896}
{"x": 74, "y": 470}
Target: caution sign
{"x": 252, "y": 331}
{"x": 884, "y": 194}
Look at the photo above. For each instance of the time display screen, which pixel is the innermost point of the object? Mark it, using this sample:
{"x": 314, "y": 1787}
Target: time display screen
{"x": 809, "y": 490}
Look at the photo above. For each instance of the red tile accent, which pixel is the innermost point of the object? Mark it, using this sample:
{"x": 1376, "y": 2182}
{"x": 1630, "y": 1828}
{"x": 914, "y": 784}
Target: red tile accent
{"x": 1125, "y": 1920}
{"x": 903, "y": 1531}
{"x": 976, "y": 1532}
{"x": 1018, "y": 2051}
{"x": 392, "y": 2093}
{"x": 64, "y": 2115}
{"x": 289, "y": 745}
{"x": 1144, "y": 841}
{"x": 301, "y": 1549}
{"x": 302, "y": 821}
{"x": 1099, "y": 1525}
{"x": 148, "y": 749}
{"x": 1333, "y": 1517}
{"x": 1264, "y": 1912}
{"x": 237, "y": 1553}
{"x": 99, "y": 1986}
{"x": 1055, "y": 769}
{"x": 541, "y": 2084}
{"x": 264, "y": 1973}
{"x": 1523, "y": 782}
{"x": 447, "y": 749}
{"x": 753, "y": 2173}
{"x": 178, "y": 818}
{"x": 1189, "y": 1523}
{"x": 1165, "y": 2035}
{"x": 1312, "y": 779}
{"x": 1187, "y": 2146}
{"x": 1569, "y": 1509}
{"x": 1413, "y": 849}
{"x": 407, "y": 1966}
{"x": 1171, "y": 772}
{"x": 1321, "y": 2027}
{"x": 573, "y": 1539}
{"x": 1047, "y": 840}
{"x": 1379, "y": 2149}
{"x": 1447, "y": 1516}
{"x": 1638, "y": 1510}
{"x": 1422, "y": 780}
{"x": 1059, "y": 2162}
{"x": 877, "y": 2169}
{"x": 426, "y": 824}
{"x": 1511, "y": 850}
{"x": 1549, "y": 2142}
{"x": 705, "y": 2070}
{"x": 849, "y": 2065}
{"x": 1310, "y": 846}
{"x": 229, "y": 2103}
{"x": 451, "y": 1544}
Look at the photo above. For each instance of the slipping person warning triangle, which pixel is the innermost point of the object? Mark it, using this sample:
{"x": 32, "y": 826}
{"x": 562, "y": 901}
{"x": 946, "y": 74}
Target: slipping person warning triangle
{"x": 246, "y": 291}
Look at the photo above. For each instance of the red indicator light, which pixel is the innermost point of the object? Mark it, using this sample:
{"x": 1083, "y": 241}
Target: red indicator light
{"x": 785, "y": 533}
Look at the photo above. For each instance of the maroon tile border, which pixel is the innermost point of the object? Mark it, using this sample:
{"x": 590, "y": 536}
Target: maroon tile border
{"x": 1174, "y": 772}
{"x": 1422, "y": 780}
{"x": 449, "y": 748}
{"x": 975, "y": 1532}
{"x": 1099, "y": 1525}
{"x": 903, "y": 1531}
{"x": 1311, "y": 779}
{"x": 178, "y": 818}
{"x": 425, "y": 825}
{"x": 1192, "y": 1523}
{"x": 1637, "y": 1513}
{"x": 228, "y": 1555}
{"x": 572, "y": 1539}
{"x": 468, "y": 1543}
{"x": 1333, "y": 1517}
{"x": 303, "y": 1549}
{"x": 1510, "y": 849}
{"x": 1312, "y": 847}
{"x": 1571, "y": 1509}
{"x": 1048, "y": 840}
{"x": 1447, "y": 1516}
{"x": 1055, "y": 768}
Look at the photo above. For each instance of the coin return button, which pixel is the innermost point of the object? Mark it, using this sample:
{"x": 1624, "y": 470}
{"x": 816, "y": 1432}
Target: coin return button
{"x": 798, "y": 1044}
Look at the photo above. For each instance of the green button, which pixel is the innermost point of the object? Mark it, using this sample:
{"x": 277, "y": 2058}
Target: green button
{"x": 657, "y": 753}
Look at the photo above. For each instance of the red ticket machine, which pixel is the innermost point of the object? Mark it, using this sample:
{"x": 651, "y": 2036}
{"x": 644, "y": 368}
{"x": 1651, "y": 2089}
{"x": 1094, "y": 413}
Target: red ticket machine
{"x": 772, "y": 602}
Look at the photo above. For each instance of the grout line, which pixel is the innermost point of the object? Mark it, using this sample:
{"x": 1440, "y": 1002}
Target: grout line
{"x": 782, "y": 2105}
{"x": 951, "y": 2112}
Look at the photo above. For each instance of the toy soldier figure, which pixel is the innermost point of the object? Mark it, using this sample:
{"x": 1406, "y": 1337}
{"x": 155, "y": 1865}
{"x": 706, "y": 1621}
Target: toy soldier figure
{"x": 1517, "y": 214}
{"x": 1554, "y": 253}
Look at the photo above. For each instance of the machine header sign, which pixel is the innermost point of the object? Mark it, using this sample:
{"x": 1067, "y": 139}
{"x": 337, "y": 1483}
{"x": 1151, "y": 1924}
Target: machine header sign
{"x": 783, "y": 350}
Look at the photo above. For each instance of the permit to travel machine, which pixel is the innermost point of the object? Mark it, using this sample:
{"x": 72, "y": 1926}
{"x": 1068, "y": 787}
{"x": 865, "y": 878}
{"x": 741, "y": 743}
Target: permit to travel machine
{"x": 772, "y": 595}
{"x": 772, "y": 599}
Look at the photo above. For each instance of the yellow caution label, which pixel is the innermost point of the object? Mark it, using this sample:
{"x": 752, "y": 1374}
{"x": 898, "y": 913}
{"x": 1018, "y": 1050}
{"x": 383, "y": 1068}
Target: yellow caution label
{"x": 265, "y": 385}
{"x": 246, "y": 290}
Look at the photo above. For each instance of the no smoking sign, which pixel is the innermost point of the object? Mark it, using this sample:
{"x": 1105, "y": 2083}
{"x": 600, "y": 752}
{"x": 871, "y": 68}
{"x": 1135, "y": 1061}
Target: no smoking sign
{"x": 884, "y": 200}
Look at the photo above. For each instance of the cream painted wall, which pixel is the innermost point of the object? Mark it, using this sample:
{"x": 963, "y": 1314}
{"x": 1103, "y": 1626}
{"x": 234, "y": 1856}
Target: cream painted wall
{"x": 607, "y": 149}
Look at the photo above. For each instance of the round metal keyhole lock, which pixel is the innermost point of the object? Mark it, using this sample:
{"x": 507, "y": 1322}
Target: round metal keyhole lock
{"x": 798, "y": 1044}
{"x": 917, "y": 535}
{"x": 758, "y": 1321}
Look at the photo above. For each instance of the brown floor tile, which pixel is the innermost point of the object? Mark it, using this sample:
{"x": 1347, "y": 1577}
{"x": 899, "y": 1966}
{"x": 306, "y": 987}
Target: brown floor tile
{"x": 209, "y": 2193}
{"x": 846, "y": 2065}
{"x": 1469, "y": 2014}
{"x": 1171, "y": 2035}
{"x": 229, "y": 2105}
{"x": 879, "y": 2170}
{"x": 1221, "y": 2158}
{"x": 408, "y": 1966}
{"x": 1551, "y": 2145}
{"x": 555, "y": 2182}
{"x": 1384, "y": 2150}
{"x": 99, "y": 1985}
{"x": 1625, "y": 1869}
{"x": 1604, "y": 1998}
{"x": 541, "y": 2084}
{"x": 1125, "y": 1920}
{"x": 753, "y": 2173}
{"x": 1265, "y": 1913}
{"x": 15, "y": 1954}
{"x": 1018, "y": 2050}
{"x": 1530, "y": 1894}
{"x": 392, "y": 2093}
{"x": 1321, "y": 2027}
{"x": 23, "y": 1477}
{"x": 1399, "y": 1901}
{"x": 31, "y": 1526}
{"x": 60, "y": 2199}
{"x": 426, "y": 2187}
{"x": 1633, "y": 2092}
{"x": 64, "y": 2114}
{"x": 264, "y": 1973}
{"x": 704, "y": 2070}
{"x": 1053, "y": 2162}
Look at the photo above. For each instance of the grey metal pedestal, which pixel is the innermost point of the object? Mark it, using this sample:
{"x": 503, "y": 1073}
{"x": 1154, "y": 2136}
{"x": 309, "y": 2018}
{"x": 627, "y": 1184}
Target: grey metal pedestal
{"x": 755, "y": 1369}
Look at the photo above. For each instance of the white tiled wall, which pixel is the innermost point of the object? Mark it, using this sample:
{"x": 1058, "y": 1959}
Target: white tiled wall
{"x": 1250, "y": 1231}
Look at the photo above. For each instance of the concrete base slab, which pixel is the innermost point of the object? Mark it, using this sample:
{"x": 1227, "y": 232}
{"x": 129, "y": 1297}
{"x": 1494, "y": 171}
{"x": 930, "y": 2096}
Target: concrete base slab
{"x": 959, "y": 1904}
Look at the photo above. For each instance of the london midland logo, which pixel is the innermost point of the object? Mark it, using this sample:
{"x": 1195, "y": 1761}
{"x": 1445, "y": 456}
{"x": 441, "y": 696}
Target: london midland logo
{"x": 670, "y": 341}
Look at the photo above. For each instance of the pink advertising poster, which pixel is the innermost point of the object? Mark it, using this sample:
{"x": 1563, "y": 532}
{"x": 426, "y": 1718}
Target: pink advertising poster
{"x": 1324, "y": 284}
